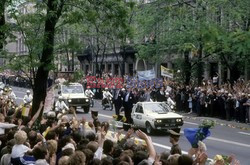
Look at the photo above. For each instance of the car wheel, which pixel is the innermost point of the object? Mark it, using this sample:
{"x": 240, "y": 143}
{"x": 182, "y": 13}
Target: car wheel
{"x": 85, "y": 109}
{"x": 149, "y": 128}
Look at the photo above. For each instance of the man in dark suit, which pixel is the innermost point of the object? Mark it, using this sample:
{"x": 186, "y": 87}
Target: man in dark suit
{"x": 128, "y": 100}
{"x": 160, "y": 96}
{"x": 117, "y": 100}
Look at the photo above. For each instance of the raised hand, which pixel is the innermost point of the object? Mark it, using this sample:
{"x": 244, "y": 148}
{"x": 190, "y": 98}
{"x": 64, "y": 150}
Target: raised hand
{"x": 129, "y": 133}
{"x": 141, "y": 135}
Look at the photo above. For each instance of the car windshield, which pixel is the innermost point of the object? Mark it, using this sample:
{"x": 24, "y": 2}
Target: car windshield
{"x": 72, "y": 89}
{"x": 156, "y": 108}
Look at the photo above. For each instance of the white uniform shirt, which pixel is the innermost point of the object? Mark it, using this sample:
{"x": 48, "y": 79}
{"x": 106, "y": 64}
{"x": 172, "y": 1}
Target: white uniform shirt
{"x": 89, "y": 93}
{"x": 60, "y": 105}
{"x": 106, "y": 94}
{"x": 27, "y": 98}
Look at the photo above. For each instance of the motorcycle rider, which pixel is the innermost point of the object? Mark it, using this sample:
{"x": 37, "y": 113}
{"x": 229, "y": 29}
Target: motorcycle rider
{"x": 107, "y": 97}
{"x": 12, "y": 94}
{"x": 60, "y": 105}
{"x": 88, "y": 92}
{"x": 27, "y": 98}
{"x": 90, "y": 95}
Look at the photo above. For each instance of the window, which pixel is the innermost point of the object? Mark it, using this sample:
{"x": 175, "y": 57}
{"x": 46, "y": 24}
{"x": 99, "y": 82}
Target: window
{"x": 139, "y": 109}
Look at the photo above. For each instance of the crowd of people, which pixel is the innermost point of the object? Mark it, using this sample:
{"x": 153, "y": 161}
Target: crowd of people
{"x": 226, "y": 101}
{"x": 229, "y": 102}
{"x": 64, "y": 140}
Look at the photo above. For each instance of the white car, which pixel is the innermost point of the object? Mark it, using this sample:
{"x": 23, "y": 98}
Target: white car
{"x": 74, "y": 96}
{"x": 155, "y": 116}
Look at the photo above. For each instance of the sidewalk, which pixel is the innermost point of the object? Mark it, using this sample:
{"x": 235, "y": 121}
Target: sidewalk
{"x": 231, "y": 124}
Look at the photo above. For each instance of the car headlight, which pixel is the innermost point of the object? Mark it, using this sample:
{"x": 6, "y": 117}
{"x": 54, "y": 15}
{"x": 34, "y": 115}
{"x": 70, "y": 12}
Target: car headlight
{"x": 178, "y": 120}
{"x": 158, "y": 121}
{"x": 69, "y": 100}
{"x": 87, "y": 100}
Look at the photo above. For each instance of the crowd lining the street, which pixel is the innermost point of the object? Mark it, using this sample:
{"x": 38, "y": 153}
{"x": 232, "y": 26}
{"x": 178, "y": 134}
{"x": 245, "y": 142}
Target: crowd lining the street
{"x": 226, "y": 101}
{"x": 63, "y": 140}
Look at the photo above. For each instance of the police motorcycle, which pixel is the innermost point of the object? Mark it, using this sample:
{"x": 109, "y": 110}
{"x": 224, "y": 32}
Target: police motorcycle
{"x": 27, "y": 100}
{"x": 60, "y": 106}
{"x": 90, "y": 95}
{"x": 107, "y": 100}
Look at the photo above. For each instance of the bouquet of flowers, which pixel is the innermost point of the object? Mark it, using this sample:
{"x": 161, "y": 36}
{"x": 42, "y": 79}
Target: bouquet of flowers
{"x": 117, "y": 121}
{"x": 194, "y": 135}
{"x": 119, "y": 118}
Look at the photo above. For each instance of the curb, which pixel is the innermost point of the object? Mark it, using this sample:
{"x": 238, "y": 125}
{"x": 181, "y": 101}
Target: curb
{"x": 230, "y": 125}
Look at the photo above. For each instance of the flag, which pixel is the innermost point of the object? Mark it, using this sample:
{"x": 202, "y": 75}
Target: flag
{"x": 146, "y": 75}
{"x": 166, "y": 72}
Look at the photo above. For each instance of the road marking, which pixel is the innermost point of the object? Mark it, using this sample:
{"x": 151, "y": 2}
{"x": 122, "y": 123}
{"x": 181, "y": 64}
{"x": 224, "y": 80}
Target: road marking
{"x": 244, "y": 133}
{"x": 187, "y": 122}
{"x": 104, "y": 115}
{"x": 229, "y": 142}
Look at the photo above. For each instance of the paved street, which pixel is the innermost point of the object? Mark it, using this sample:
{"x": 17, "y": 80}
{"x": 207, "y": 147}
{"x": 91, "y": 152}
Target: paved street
{"x": 224, "y": 139}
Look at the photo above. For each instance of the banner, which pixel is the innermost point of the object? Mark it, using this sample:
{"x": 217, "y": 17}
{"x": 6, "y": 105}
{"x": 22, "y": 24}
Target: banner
{"x": 166, "y": 72}
{"x": 146, "y": 75}
{"x": 142, "y": 84}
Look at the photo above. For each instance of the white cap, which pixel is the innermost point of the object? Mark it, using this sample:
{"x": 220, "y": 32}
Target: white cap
{"x": 60, "y": 97}
{"x": 123, "y": 89}
{"x": 167, "y": 93}
{"x": 106, "y": 88}
{"x": 28, "y": 91}
{"x": 10, "y": 89}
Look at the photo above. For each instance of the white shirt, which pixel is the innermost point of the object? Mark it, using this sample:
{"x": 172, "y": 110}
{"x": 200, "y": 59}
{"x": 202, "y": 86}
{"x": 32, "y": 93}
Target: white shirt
{"x": 19, "y": 150}
{"x": 106, "y": 94}
{"x": 27, "y": 98}
{"x": 60, "y": 105}
{"x": 98, "y": 153}
{"x": 4, "y": 126}
{"x": 127, "y": 96}
{"x": 89, "y": 93}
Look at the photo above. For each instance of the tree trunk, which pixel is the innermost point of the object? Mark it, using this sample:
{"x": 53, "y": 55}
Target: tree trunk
{"x": 68, "y": 60}
{"x": 40, "y": 85}
{"x": 199, "y": 65}
{"x": 73, "y": 60}
{"x": 2, "y": 23}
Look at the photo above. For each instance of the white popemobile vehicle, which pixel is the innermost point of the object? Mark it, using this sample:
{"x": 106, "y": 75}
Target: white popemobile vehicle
{"x": 74, "y": 96}
{"x": 155, "y": 116}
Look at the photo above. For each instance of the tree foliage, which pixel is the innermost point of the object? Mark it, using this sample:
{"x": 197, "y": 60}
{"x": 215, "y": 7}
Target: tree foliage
{"x": 206, "y": 29}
